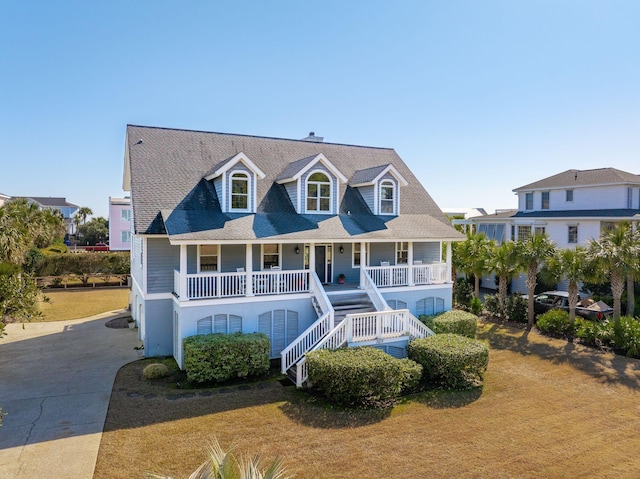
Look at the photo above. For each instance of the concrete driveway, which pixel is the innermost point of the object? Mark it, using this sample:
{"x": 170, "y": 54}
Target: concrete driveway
{"x": 55, "y": 385}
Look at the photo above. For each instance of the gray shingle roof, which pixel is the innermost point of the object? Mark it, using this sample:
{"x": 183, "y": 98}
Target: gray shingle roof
{"x": 294, "y": 167}
{"x": 367, "y": 175}
{"x": 577, "y": 178}
{"x": 169, "y": 194}
{"x": 50, "y": 201}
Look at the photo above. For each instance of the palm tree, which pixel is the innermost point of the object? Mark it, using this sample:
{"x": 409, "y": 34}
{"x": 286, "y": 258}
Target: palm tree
{"x": 471, "y": 257}
{"x": 221, "y": 464}
{"x": 503, "y": 260}
{"x": 573, "y": 266}
{"x": 617, "y": 253}
{"x": 532, "y": 253}
{"x": 81, "y": 215}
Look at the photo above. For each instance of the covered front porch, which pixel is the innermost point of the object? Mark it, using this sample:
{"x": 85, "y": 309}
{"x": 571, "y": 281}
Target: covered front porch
{"x": 211, "y": 271}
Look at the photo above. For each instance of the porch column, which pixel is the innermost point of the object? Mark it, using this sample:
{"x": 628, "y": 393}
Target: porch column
{"x": 183, "y": 273}
{"x": 364, "y": 261}
{"x": 410, "y": 262}
{"x": 448, "y": 278}
{"x": 248, "y": 260}
{"x": 312, "y": 258}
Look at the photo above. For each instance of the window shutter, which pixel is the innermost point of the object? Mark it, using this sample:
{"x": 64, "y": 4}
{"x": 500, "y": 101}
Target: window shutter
{"x": 235, "y": 324}
{"x": 220, "y": 323}
{"x": 292, "y": 326}
{"x": 278, "y": 339}
{"x": 204, "y": 325}
{"x": 439, "y": 305}
{"x": 264, "y": 324}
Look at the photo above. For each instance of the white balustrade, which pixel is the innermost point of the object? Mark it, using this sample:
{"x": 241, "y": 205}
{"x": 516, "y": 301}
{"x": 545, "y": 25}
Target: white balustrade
{"x": 398, "y": 275}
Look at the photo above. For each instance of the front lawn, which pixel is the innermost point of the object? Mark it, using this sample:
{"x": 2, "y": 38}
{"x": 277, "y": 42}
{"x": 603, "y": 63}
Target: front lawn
{"x": 83, "y": 303}
{"x": 548, "y": 409}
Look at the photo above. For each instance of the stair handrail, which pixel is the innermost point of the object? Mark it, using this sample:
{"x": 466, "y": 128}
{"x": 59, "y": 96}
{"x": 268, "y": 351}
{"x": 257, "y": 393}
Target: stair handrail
{"x": 314, "y": 333}
{"x": 373, "y": 292}
{"x": 416, "y": 328}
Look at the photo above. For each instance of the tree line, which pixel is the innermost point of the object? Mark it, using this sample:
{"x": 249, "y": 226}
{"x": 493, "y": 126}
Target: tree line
{"x": 613, "y": 258}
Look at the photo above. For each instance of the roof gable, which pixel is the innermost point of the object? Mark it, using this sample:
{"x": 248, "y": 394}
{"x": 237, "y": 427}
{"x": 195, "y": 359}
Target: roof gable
{"x": 229, "y": 163}
{"x": 296, "y": 169}
{"x": 371, "y": 176}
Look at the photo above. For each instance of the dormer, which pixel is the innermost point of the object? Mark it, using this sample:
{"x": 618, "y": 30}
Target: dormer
{"x": 313, "y": 185}
{"x": 235, "y": 181}
{"x": 379, "y": 186}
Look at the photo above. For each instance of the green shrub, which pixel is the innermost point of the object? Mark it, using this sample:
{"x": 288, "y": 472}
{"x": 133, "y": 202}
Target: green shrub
{"x": 450, "y": 360}
{"x": 462, "y": 292}
{"x": 155, "y": 371}
{"x": 221, "y": 357}
{"x": 475, "y": 306}
{"x": 83, "y": 264}
{"x": 626, "y": 334}
{"x": 361, "y": 377}
{"x": 492, "y": 306}
{"x": 597, "y": 334}
{"x": 555, "y": 322}
{"x": 515, "y": 308}
{"x": 454, "y": 321}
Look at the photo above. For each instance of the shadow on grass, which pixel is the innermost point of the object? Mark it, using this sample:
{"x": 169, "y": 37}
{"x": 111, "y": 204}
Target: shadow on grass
{"x": 324, "y": 416}
{"x": 447, "y": 398}
{"x": 608, "y": 368}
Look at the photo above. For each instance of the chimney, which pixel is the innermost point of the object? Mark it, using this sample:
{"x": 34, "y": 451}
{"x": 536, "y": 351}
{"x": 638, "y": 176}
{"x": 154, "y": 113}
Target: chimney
{"x": 313, "y": 138}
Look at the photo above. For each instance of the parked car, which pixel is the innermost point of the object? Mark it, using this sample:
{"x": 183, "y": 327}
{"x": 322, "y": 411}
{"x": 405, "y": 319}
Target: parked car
{"x": 587, "y": 308}
{"x": 97, "y": 247}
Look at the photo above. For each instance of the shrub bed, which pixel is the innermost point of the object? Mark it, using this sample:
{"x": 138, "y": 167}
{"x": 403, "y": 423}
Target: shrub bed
{"x": 450, "y": 360}
{"x": 221, "y": 357}
{"x": 454, "y": 322}
{"x": 555, "y": 322}
{"x": 515, "y": 308}
{"x": 361, "y": 377}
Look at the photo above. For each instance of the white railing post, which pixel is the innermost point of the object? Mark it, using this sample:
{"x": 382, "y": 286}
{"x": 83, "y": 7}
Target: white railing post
{"x": 448, "y": 272}
{"x": 183, "y": 293}
{"x": 248, "y": 260}
{"x": 410, "y": 281}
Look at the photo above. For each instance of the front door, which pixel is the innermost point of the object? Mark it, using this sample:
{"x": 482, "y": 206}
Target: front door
{"x": 323, "y": 263}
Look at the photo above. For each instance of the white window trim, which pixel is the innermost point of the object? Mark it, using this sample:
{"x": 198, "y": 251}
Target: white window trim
{"x": 262, "y": 255}
{"x": 572, "y": 195}
{"x": 398, "y": 246}
{"x": 250, "y": 192}
{"x": 124, "y": 233}
{"x": 218, "y": 254}
{"x": 525, "y": 201}
{"x": 542, "y": 193}
{"x": 331, "y": 193}
{"x": 387, "y": 183}
{"x": 353, "y": 254}
{"x": 125, "y": 215}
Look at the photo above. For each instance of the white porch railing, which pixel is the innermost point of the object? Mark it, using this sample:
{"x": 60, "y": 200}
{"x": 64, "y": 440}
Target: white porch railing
{"x": 372, "y": 291}
{"x": 364, "y": 327}
{"x": 226, "y": 285}
{"x": 307, "y": 340}
{"x": 399, "y": 275}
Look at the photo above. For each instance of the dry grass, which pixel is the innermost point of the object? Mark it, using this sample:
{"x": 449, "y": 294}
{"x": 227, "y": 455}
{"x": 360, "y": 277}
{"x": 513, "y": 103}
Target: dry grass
{"x": 83, "y": 303}
{"x": 548, "y": 409}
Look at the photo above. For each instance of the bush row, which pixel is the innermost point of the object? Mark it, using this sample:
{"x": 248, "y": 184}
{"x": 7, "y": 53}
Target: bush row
{"x": 455, "y": 321}
{"x": 86, "y": 263}
{"x": 221, "y": 357}
{"x": 622, "y": 336}
{"x": 361, "y": 377}
{"x": 450, "y": 360}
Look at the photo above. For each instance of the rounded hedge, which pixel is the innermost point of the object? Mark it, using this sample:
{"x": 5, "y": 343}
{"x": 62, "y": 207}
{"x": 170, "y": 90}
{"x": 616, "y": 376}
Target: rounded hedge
{"x": 454, "y": 322}
{"x": 450, "y": 360}
{"x": 361, "y": 377}
{"x": 555, "y": 322}
{"x": 155, "y": 371}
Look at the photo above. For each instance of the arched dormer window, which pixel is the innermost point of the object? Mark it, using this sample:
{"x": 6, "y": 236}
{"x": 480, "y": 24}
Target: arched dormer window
{"x": 387, "y": 198}
{"x": 318, "y": 193}
{"x": 239, "y": 191}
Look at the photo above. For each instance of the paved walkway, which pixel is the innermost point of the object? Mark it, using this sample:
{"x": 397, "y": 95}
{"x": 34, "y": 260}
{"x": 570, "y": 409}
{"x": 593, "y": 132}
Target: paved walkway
{"x": 55, "y": 385}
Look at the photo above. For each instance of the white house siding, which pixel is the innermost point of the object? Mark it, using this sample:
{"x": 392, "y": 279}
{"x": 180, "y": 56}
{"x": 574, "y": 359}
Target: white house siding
{"x": 608, "y": 197}
{"x": 190, "y": 313}
{"x": 136, "y": 259}
{"x": 162, "y": 260}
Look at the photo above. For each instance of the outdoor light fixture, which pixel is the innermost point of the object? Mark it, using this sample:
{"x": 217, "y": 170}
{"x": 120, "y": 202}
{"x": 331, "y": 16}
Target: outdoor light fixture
{"x": 297, "y": 249}
{"x": 341, "y": 249}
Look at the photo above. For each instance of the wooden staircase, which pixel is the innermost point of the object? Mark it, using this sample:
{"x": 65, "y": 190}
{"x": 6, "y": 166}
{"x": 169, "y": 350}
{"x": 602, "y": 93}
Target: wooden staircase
{"x": 352, "y": 303}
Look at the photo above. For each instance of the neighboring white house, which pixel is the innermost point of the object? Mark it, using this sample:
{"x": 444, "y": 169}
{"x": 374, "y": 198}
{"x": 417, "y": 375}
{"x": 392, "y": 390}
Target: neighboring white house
{"x": 245, "y": 233}
{"x": 4, "y": 199}
{"x": 465, "y": 213}
{"x": 68, "y": 210}
{"x": 572, "y": 207}
{"x": 119, "y": 224}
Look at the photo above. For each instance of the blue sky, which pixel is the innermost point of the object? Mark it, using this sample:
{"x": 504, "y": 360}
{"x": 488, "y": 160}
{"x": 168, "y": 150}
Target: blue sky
{"x": 478, "y": 97}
